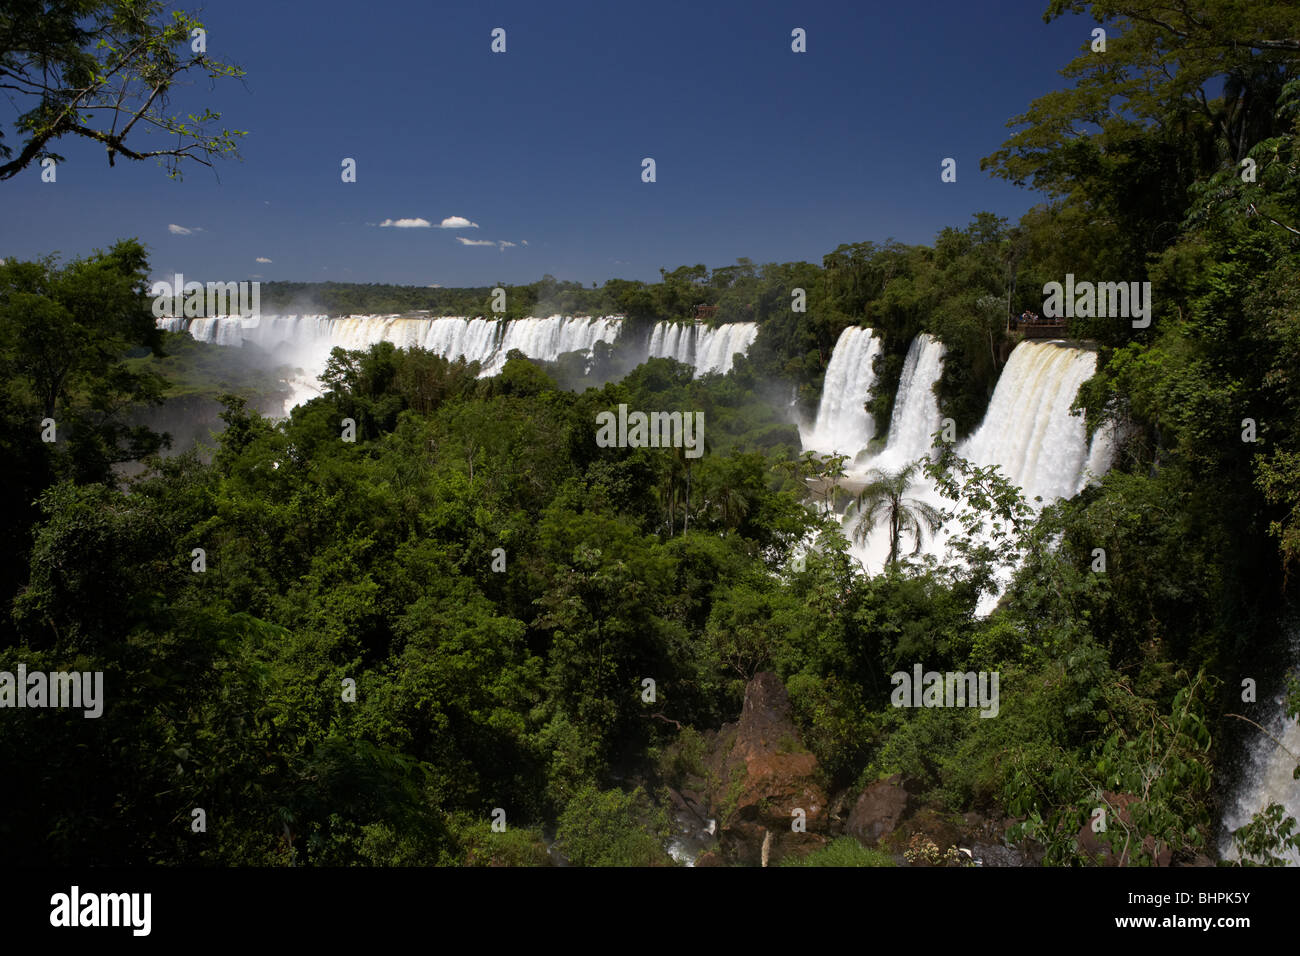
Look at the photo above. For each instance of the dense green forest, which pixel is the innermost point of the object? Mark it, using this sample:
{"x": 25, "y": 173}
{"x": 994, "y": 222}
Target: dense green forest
{"x": 369, "y": 651}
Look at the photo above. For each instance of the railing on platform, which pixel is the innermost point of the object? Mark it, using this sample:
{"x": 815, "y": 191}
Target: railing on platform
{"x": 1042, "y": 328}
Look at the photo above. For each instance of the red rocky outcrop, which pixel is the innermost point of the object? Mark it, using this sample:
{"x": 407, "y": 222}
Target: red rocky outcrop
{"x": 760, "y": 773}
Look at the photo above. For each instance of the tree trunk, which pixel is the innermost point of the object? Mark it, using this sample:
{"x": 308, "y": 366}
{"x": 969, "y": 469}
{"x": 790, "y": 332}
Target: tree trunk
{"x": 686, "y": 518}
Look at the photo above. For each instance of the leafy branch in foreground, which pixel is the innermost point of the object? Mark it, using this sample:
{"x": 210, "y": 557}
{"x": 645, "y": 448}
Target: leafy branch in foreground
{"x": 100, "y": 69}
{"x": 991, "y": 514}
{"x": 1261, "y": 841}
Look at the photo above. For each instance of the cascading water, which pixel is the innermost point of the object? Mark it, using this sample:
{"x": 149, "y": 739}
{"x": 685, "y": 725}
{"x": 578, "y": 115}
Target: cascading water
{"x": 1101, "y": 455}
{"x": 221, "y": 331}
{"x": 912, "y": 426}
{"x": 672, "y": 340}
{"x": 1028, "y": 429}
{"x": 474, "y": 340}
{"x": 1266, "y": 775}
{"x": 548, "y": 339}
{"x": 306, "y": 340}
{"x": 716, "y": 348}
{"x": 843, "y": 425}
{"x": 916, "y": 407}
{"x": 707, "y": 349}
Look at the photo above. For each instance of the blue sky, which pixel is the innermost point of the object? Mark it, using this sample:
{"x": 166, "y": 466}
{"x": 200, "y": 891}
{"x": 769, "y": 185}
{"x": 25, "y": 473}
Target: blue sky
{"x": 760, "y": 152}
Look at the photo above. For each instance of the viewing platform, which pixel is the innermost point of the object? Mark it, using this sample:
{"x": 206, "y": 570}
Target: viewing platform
{"x": 1058, "y": 328}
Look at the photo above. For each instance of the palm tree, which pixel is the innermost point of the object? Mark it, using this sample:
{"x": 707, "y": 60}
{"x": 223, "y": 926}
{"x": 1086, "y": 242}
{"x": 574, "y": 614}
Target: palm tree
{"x": 883, "y": 495}
{"x": 672, "y": 483}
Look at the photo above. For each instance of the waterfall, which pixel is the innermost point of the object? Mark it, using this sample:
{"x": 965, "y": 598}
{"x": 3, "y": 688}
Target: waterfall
{"x": 911, "y": 427}
{"x": 916, "y": 407}
{"x": 1028, "y": 429}
{"x": 672, "y": 340}
{"x": 843, "y": 425}
{"x": 1031, "y": 434}
{"x": 220, "y": 331}
{"x": 471, "y": 339}
{"x": 547, "y": 339}
{"x": 707, "y": 349}
{"x": 1101, "y": 455}
{"x": 305, "y": 341}
{"x": 1266, "y": 773}
{"x": 476, "y": 340}
{"x": 716, "y": 347}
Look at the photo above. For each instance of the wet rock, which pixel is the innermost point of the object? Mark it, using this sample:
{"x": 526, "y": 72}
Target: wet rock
{"x": 690, "y": 805}
{"x": 879, "y": 810}
{"x": 989, "y": 854}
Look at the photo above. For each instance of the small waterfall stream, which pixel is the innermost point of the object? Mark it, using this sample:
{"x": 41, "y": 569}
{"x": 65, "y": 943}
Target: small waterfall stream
{"x": 1266, "y": 773}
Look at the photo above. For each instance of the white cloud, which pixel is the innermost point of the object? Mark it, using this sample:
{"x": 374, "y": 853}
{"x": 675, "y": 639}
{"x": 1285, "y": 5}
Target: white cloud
{"x": 457, "y": 222}
{"x": 262, "y": 259}
{"x": 407, "y": 223}
{"x": 501, "y": 244}
{"x": 176, "y": 230}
